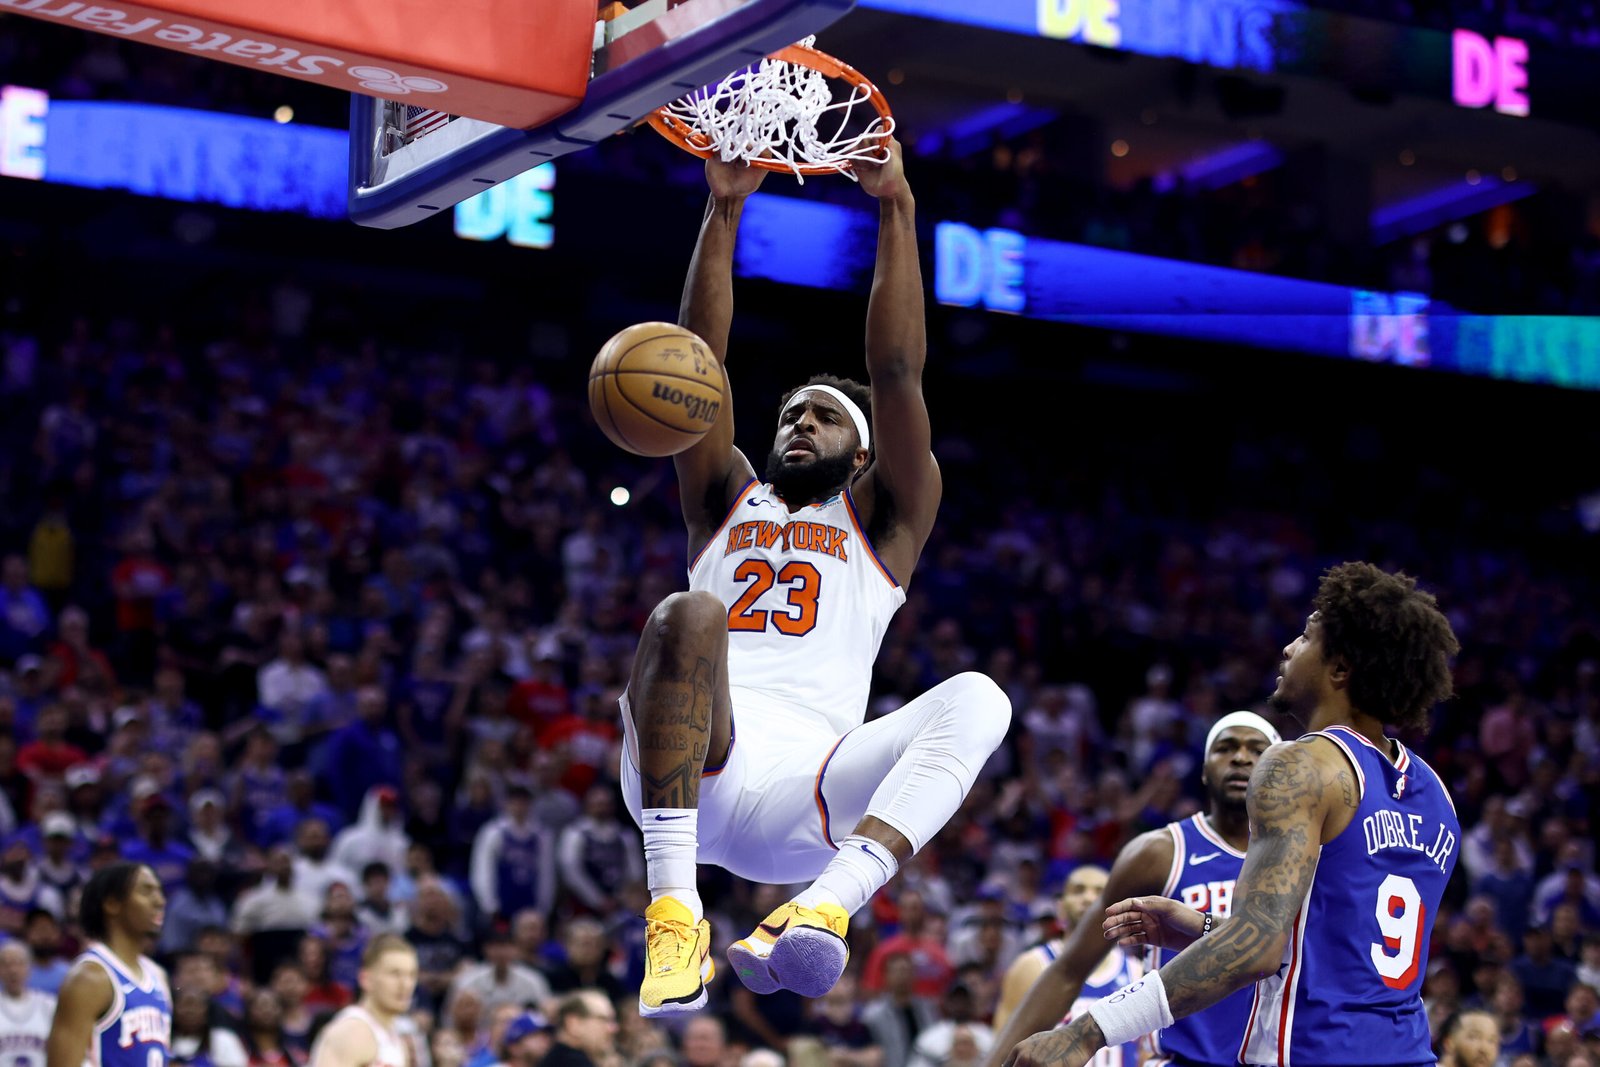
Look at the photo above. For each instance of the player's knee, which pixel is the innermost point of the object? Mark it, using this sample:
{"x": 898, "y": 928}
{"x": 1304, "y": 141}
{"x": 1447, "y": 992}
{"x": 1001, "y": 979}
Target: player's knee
{"x": 984, "y": 707}
{"x": 687, "y": 621}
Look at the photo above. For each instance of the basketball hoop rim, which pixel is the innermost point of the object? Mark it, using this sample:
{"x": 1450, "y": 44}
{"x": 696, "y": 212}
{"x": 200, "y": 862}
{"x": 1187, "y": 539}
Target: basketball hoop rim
{"x": 694, "y": 142}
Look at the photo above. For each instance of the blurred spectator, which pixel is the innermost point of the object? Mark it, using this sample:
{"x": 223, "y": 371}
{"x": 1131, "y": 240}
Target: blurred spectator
{"x": 585, "y": 966}
{"x": 324, "y": 992}
{"x": 73, "y": 661}
{"x": 1517, "y": 1033}
{"x": 704, "y": 1042}
{"x": 24, "y": 616}
{"x": 916, "y": 941}
{"x": 377, "y": 911}
{"x": 597, "y": 856}
{"x": 897, "y": 1017}
{"x": 25, "y": 1013}
{"x": 298, "y": 805}
{"x": 314, "y": 866}
{"x": 43, "y": 935}
{"x": 440, "y": 948}
{"x": 585, "y": 1031}
{"x": 360, "y": 755}
{"x": 501, "y": 979}
{"x": 378, "y": 834}
{"x": 278, "y": 904}
{"x": 527, "y": 1041}
{"x": 49, "y": 755}
{"x": 289, "y": 685}
{"x": 836, "y": 1021}
{"x": 196, "y": 1040}
{"x": 514, "y": 860}
{"x": 290, "y": 985}
{"x": 263, "y": 1032}
{"x": 155, "y": 846}
{"x": 23, "y": 889}
{"x": 59, "y": 866}
{"x": 1545, "y": 977}
{"x": 193, "y": 907}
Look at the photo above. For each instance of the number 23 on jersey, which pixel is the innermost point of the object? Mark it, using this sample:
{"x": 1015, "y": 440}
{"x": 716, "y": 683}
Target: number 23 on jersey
{"x": 801, "y": 580}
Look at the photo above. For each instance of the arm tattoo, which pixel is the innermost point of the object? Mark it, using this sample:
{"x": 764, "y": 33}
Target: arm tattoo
{"x": 1287, "y": 799}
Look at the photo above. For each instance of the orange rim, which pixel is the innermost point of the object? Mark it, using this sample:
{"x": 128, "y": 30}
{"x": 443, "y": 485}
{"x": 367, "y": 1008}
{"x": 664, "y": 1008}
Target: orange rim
{"x": 694, "y": 142}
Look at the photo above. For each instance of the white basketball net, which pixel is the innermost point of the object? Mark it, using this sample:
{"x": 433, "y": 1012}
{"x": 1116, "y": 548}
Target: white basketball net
{"x": 773, "y": 110}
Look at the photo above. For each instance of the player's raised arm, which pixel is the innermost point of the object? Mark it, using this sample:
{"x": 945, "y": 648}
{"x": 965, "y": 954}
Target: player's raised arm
{"x": 84, "y": 998}
{"x": 1295, "y": 789}
{"x": 346, "y": 1042}
{"x": 711, "y": 471}
{"x": 903, "y": 483}
{"x": 1141, "y": 868}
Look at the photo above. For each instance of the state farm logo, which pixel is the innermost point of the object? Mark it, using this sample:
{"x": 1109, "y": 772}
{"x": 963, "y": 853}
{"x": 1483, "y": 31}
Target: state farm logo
{"x": 386, "y": 82}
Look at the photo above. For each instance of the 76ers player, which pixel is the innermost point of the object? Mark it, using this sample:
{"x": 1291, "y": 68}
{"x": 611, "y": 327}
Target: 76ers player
{"x": 1117, "y": 968}
{"x": 364, "y": 1034}
{"x": 115, "y": 1008}
{"x": 744, "y": 711}
{"x": 1195, "y": 861}
{"x": 1352, "y": 841}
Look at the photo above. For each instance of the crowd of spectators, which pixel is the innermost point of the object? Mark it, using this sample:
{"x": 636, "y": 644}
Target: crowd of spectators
{"x": 331, "y": 637}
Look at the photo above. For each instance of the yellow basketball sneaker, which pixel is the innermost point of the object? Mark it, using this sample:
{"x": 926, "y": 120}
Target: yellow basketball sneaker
{"x": 677, "y": 960}
{"x": 794, "y": 948}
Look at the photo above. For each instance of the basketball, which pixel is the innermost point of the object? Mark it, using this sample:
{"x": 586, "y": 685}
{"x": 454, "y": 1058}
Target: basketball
{"x": 655, "y": 389}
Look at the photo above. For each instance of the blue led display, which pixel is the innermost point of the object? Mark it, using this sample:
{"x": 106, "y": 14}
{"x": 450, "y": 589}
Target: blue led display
{"x": 199, "y": 156}
{"x": 802, "y": 242}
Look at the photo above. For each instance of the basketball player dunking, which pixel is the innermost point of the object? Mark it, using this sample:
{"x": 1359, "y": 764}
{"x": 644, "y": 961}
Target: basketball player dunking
{"x": 115, "y": 1008}
{"x": 1195, "y": 861}
{"x": 365, "y": 1034}
{"x": 1352, "y": 841}
{"x": 743, "y": 717}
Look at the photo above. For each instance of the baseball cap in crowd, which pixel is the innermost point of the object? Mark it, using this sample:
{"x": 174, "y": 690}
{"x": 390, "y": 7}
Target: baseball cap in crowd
{"x": 517, "y": 785}
{"x": 58, "y": 824}
{"x": 29, "y": 663}
{"x": 529, "y": 1022}
{"x": 82, "y": 774}
{"x": 125, "y": 715}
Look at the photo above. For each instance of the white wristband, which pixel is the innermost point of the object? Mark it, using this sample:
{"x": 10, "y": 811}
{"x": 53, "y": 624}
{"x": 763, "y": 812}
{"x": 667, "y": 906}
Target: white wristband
{"x": 1133, "y": 1011}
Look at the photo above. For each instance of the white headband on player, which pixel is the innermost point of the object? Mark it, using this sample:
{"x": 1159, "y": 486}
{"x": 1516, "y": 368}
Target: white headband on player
{"x": 1242, "y": 718}
{"x": 857, "y": 416}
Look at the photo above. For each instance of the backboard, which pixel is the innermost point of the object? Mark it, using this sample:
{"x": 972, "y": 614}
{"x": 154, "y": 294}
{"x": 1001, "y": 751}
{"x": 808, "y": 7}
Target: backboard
{"x": 408, "y": 162}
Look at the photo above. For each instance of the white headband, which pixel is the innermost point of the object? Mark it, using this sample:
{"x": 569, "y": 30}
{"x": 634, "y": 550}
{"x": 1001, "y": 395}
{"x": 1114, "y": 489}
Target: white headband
{"x": 857, "y": 416}
{"x": 1242, "y": 718}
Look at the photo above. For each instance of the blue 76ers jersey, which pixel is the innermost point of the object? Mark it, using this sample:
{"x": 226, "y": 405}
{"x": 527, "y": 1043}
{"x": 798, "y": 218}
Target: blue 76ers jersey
{"x": 136, "y": 1031}
{"x": 1204, "y": 870}
{"x": 1350, "y": 988}
{"x": 1115, "y": 971}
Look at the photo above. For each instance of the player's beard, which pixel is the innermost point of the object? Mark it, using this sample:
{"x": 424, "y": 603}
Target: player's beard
{"x": 803, "y": 483}
{"x": 1222, "y": 800}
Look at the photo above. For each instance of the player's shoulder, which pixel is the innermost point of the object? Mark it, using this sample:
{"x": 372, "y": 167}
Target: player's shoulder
{"x": 1145, "y": 862}
{"x": 89, "y": 979}
{"x": 1304, "y": 773}
{"x": 347, "y": 1039}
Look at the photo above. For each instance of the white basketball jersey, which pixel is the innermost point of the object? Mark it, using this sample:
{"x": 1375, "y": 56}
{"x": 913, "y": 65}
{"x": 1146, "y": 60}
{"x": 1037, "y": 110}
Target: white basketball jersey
{"x": 24, "y": 1028}
{"x": 391, "y": 1049}
{"x": 808, "y": 603}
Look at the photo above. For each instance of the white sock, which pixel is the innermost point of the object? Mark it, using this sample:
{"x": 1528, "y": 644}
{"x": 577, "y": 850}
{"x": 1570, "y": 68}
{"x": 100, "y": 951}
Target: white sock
{"x": 671, "y": 842}
{"x": 862, "y": 867}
